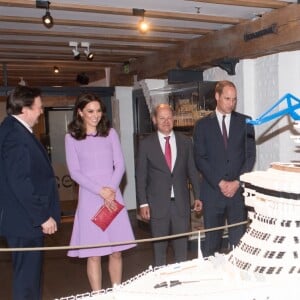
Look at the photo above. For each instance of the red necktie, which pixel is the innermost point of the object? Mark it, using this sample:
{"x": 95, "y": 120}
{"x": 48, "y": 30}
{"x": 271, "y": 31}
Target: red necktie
{"x": 168, "y": 154}
{"x": 224, "y": 131}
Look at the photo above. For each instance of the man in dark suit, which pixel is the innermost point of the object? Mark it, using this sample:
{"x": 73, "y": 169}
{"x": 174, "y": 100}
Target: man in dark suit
{"x": 29, "y": 204}
{"x": 224, "y": 149}
{"x": 162, "y": 189}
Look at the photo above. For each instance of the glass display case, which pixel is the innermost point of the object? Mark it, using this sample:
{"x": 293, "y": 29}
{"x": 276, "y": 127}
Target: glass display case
{"x": 190, "y": 101}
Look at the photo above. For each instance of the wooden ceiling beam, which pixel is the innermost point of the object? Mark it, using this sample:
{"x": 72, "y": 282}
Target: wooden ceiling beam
{"x": 99, "y": 63}
{"x": 44, "y": 62}
{"x": 126, "y": 12}
{"x": 67, "y": 76}
{"x": 47, "y": 70}
{"x": 49, "y": 75}
{"x": 227, "y": 43}
{"x": 95, "y": 45}
{"x": 249, "y": 3}
{"x": 110, "y": 25}
{"x": 63, "y": 54}
{"x": 93, "y": 36}
{"x": 51, "y": 79}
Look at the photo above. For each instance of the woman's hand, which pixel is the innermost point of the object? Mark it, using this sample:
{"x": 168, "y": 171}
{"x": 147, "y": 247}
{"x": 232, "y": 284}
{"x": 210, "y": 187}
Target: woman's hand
{"x": 108, "y": 194}
{"x": 111, "y": 205}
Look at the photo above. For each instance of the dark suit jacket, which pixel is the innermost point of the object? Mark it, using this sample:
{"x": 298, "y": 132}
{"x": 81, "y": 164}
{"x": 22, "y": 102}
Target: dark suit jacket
{"x": 155, "y": 180}
{"x": 215, "y": 162}
{"x": 28, "y": 188}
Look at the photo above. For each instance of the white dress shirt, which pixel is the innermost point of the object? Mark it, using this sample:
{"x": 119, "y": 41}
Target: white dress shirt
{"x": 23, "y": 122}
{"x": 172, "y": 142}
{"x": 227, "y": 121}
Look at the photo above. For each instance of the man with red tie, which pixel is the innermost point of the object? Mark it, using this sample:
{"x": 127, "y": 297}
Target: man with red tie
{"x": 165, "y": 165}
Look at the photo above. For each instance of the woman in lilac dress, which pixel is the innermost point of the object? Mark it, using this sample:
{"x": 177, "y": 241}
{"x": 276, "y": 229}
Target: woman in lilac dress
{"x": 95, "y": 161}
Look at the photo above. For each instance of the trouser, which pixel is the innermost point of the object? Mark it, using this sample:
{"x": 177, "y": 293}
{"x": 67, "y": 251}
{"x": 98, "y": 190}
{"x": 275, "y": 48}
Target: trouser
{"x": 27, "y": 268}
{"x": 173, "y": 223}
{"x": 212, "y": 219}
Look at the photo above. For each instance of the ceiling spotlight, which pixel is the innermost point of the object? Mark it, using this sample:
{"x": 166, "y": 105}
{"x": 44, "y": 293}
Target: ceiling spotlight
{"x": 47, "y": 18}
{"x": 75, "y": 51}
{"x": 89, "y": 55}
{"x": 143, "y": 26}
{"x": 55, "y": 70}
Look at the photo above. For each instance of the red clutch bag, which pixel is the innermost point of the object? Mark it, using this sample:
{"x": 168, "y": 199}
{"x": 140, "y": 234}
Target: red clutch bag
{"x": 104, "y": 216}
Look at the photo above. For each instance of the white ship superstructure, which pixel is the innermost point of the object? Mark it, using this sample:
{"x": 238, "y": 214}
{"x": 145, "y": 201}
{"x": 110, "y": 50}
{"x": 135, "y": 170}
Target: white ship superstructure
{"x": 271, "y": 245}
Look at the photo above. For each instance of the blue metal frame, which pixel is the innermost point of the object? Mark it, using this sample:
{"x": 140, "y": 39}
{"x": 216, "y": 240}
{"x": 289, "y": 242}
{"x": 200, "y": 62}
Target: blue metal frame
{"x": 290, "y": 110}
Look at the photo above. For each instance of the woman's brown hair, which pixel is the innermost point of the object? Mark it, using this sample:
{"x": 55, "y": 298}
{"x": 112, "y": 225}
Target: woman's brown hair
{"x": 77, "y": 128}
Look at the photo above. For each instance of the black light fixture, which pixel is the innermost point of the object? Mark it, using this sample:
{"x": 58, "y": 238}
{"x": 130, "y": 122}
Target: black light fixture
{"x": 47, "y": 18}
{"x": 143, "y": 26}
{"x": 89, "y": 55}
{"x": 75, "y": 50}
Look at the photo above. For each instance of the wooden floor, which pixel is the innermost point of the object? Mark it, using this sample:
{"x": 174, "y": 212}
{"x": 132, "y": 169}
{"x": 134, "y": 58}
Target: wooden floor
{"x": 64, "y": 276}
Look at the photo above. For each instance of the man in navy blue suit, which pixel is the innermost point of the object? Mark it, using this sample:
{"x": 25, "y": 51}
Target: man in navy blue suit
{"x": 224, "y": 148}
{"x": 29, "y": 203}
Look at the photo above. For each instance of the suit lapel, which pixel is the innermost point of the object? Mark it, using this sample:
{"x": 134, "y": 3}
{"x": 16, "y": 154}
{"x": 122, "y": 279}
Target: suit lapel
{"x": 232, "y": 127}
{"x": 34, "y": 139}
{"x": 215, "y": 127}
{"x": 178, "y": 148}
{"x": 41, "y": 147}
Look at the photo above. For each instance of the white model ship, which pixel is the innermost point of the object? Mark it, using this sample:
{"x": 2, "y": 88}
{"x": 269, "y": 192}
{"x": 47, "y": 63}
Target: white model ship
{"x": 271, "y": 245}
{"x": 265, "y": 265}
{"x": 187, "y": 113}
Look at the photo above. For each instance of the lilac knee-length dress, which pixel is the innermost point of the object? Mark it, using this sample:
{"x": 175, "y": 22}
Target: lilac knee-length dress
{"x": 93, "y": 163}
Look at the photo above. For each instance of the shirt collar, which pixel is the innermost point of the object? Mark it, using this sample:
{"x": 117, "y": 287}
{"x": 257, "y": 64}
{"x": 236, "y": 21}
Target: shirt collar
{"x": 161, "y": 135}
{"x": 23, "y": 123}
{"x": 220, "y": 115}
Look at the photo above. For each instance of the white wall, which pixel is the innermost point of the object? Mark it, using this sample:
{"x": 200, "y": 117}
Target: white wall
{"x": 124, "y": 97}
{"x": 289, "y": 82}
